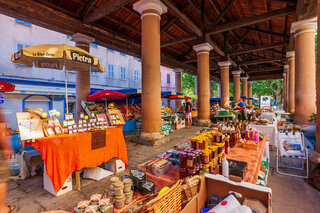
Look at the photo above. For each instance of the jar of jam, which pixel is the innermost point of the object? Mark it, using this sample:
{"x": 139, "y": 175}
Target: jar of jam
{"x": 205, "y": 143}
{"x": 215, "y": 163}
{"x": 219, "y": 146}
{"x": 196, "y": 162}
{"x": 183, "y": 160}
{"x": 192, "y": 172}
{"x": 193, "y": 143}
{"x": 210, "y": 154}
{"x": 205, "y": 156}
{"x": 210, "y": 167}
{"x": 219, "y": 137}
{"x": 226, "y": 145}
{"x": 190, "y": 161}
{"x": 183, "y": 173}
{"x": 200, "y": 142}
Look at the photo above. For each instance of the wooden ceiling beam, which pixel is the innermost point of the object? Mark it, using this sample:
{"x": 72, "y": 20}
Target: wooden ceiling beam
{"x": 104, "y": 10}
{"x": 262, "y": 61}
{"x": 265, "y": 77}
{"x": 196, "y": 6}
{"x": 89, "y": 8}
{"x": 267, "y": 32}
{"x": 224, "y": 11}
{"x": 263, "y": 69}
{"x": 284, "y": 1}
{"x": 257, "y": 48}
{"x": 178, "y": 40}
{"x": 60, "y": 9}
{"x": 238, "y": 42}
{"x": 182, "y": 18}
{"x": 252, "y": 20}
{"x": 166, "y": 26}
{"x": 123, "y": 24}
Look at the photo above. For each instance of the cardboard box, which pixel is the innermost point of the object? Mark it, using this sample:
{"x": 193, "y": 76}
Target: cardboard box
{"x": 221, "y": 186}
{"x": 115, "y": 165}
{"x": 47, "y": 185}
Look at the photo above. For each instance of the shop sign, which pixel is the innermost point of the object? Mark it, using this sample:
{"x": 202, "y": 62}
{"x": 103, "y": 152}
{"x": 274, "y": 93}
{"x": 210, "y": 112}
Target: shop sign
{"x": 265, "y": 101}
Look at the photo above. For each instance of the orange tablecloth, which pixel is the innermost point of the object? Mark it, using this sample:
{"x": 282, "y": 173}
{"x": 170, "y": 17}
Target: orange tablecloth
{"x": 66, "y": 154}
{"x": 252, "y": 157}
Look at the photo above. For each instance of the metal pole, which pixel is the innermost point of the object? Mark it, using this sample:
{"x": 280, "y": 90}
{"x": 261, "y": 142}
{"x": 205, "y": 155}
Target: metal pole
{"x": 66, "y": 84}
{"x": 127, "y": 104}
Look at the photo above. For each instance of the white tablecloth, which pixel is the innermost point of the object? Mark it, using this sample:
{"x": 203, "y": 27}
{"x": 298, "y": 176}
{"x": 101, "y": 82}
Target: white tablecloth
{"x": 268, "y": 130}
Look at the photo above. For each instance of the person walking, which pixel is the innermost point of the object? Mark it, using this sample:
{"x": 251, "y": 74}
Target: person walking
{"x": 188, "y": 114}
{"x": 5, "y": 153}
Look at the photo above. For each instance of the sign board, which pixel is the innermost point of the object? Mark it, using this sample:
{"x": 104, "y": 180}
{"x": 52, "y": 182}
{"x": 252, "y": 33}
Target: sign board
{"x": 265, "y": 101}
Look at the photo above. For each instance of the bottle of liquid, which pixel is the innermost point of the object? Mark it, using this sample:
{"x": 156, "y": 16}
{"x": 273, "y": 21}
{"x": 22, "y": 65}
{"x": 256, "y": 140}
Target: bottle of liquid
{"x": 225, "y": 168}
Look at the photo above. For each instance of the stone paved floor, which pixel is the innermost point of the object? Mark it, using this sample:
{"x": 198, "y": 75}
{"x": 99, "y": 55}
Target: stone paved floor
{"x": 288, "y": 194}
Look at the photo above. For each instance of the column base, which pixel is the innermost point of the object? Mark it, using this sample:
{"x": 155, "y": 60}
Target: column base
{"x": 203, "y": 122}
{"x": 151, "y": 139}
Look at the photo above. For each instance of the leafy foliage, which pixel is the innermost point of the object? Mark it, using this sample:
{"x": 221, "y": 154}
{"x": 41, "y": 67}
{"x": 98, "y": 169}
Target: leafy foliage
{"x": 188, "y": 84}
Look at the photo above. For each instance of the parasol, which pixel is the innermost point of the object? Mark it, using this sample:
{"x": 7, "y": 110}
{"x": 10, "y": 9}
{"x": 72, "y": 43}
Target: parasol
{"x": 176, "y": 97}
{"x": 56, "y": 57}
{"x": 6, "y": 87}
{"x": 105, "y": 95}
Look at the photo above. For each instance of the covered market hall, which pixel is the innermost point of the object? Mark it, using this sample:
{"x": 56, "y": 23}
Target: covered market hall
{"x": 227, "y": 42}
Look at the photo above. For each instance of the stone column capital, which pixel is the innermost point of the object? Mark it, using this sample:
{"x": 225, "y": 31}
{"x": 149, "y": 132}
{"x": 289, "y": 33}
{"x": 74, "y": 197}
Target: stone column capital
{"x": 79, "y": 37}
{"x": 224, "y": 63}
{"x": 286, "y": 67}
{"x": 144, "y": 5}
{"x": 203, "y": 48}
{"x": 249, "y": 82}
{"x": 178, "y": 70}
{"x": 304, "y": 26}
{"x": 290, "y": 54}
{"x": 236, "y": 73}
{"x": 244, "y": 78}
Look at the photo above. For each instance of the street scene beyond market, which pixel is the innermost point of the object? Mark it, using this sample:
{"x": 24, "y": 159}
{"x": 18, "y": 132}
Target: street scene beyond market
{"x": 159, "y": 106}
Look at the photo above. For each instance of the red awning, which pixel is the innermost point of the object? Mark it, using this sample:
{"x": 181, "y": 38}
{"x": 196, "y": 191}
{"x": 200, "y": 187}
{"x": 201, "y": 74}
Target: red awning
{"x": 6, "y": 87}
{"x": 105, "y": 95}
{"x": 176, "y": 97}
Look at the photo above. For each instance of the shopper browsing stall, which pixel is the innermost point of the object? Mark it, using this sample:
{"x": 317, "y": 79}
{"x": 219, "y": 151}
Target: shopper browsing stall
{"x": 188, "y": 114}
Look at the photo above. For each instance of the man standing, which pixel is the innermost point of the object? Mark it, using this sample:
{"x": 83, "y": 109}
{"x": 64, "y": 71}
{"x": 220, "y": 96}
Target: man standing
{"x": 188, "y": 114}
{"x": 5, "y": 152}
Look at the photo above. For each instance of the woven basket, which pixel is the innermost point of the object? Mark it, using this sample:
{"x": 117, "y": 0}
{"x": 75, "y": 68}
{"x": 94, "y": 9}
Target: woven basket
{"x": 190, "y": 188}
{"x": 168, "y": 202}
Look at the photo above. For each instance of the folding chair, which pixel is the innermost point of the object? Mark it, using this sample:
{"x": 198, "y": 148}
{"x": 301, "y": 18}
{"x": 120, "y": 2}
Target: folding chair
{"x": 292, "y": 148}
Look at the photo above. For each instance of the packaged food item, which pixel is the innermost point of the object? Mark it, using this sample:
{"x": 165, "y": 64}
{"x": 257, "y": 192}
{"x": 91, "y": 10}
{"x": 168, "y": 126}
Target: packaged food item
{"x": 205, "y": 156}
{"x": 119, "y": 202}
{"x": 118, "y": 188}
{"x": 183, "y": 173}
{"x": 183, "y": 160}
{"x": 91, "y": 209}
{"x": 111, "y": 196}
{"x": 107, "y": 208}
{"x": 148, "y": 187}
{"x": 81, "y": 206}
{"x": 95, "y": 199}
{"x": 128, "y": 196}
{"x": 190, "y": 161}
{"x": 138, "y": 177}
{"x": 112, "y": 181}
{"x": 127, "y": 185}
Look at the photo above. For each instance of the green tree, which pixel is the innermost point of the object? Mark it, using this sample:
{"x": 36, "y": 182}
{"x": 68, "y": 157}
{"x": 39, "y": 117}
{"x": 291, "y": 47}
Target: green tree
{"x": 188, "y": 84}
{"x": 268, "y": 87}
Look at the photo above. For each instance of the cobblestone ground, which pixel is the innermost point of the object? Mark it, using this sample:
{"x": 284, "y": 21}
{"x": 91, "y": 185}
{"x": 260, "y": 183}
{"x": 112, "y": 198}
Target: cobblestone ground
{"x": 288, "y": 194}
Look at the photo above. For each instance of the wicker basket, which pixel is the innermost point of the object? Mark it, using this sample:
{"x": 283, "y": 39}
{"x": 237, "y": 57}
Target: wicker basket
{"x": 190, "y": 188}
{"x": 169, "y": 201}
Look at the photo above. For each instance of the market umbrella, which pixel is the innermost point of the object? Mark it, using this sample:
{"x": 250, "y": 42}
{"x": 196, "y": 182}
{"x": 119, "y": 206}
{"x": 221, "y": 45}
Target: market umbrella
{"x": 105, "y": 95}
{"x": 176, "y": 97}
{"x": 54, "y": 56}
{"x": 6, "y": 87}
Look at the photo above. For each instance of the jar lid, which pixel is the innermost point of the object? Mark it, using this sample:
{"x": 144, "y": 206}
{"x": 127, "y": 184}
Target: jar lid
{"x": 120, "y": 198}
{"x": 114, "y": 179}
{"x": 127, "y": 181}
{"x": 183, "y": 153}
{"x": 128, "y": 194}
{"x": 191, "y": 155}
{"x": 118, "y": 184}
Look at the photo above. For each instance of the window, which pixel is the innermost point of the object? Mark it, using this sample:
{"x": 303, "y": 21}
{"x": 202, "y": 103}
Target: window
{"x": 20, "y": 46}
{"x": 168, "y": 78}
{"x": 110, "y": 70}
{"x": 136, "y": 75}
{"x": 23, "y": 22}
{"x": 122, "y": 73}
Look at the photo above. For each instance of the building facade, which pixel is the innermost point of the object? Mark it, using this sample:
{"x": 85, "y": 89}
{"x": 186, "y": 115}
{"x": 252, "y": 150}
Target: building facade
{"x": 45, "y": 87}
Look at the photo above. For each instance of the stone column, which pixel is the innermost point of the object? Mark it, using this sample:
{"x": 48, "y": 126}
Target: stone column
{"x": 291, "y": 62}
{"x": 236, "y": 86}
{"x": 288, "y": 80}
{"x": 178, "y": 73}
{"x": 150, "y": 11}
{"x": 305, "y": 86}
{"x": 225, "y": 96}
{"x": 203, "y": 82}
{"x": 82, "y": 78}
{"x": 244, "y": 88}
{"x": 284, "y": 101}
{"x": 249, "y": 92}
{"x": 285, "y": 87}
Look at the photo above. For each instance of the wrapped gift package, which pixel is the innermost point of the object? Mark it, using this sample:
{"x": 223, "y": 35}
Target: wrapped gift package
{"x": 252, "y": 135}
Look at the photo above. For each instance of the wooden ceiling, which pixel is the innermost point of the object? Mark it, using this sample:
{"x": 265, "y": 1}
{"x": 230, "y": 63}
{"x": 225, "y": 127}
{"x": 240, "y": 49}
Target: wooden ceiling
{"x": 254, "y": 34}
